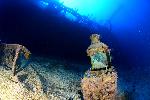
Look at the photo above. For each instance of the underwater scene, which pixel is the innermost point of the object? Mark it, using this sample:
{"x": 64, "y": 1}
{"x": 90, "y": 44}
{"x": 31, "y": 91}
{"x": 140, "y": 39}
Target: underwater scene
{"x": 74, "y": 50}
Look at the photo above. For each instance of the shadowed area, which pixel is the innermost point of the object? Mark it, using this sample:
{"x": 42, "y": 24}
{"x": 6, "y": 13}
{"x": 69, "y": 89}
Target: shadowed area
{"x": 44, "y": 32}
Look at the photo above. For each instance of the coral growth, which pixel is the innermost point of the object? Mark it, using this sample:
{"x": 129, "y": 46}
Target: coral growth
{"x": 96, "y": 45}
{"x": 99, "y": 83}
{"x": 98, "y": 53}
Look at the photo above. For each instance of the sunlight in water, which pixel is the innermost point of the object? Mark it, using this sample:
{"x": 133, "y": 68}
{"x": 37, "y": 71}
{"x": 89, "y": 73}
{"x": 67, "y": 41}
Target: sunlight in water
{"x": 96, "y": 9}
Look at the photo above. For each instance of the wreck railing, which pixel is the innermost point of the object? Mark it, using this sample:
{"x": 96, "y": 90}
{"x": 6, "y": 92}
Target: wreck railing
{"x": 10, "y": 54}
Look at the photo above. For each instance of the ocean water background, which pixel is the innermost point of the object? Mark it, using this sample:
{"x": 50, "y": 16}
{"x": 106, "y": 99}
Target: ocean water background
{"x": 47, "y": 33}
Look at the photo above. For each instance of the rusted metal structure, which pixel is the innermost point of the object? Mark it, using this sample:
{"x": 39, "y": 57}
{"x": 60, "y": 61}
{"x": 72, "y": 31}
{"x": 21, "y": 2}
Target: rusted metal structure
{"x": 10, "y": 54}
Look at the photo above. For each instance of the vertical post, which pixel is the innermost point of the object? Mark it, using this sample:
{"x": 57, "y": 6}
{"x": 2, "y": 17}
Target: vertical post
{"x": 15, "y": 60}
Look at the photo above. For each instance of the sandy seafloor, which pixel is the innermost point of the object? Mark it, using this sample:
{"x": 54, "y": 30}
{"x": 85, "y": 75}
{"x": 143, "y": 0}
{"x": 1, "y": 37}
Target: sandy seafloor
{"x": 60, "y": 80}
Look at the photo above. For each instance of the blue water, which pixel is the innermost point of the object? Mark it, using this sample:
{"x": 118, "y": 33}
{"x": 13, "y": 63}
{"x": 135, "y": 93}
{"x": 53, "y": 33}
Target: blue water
{"x": 61, "y": 28}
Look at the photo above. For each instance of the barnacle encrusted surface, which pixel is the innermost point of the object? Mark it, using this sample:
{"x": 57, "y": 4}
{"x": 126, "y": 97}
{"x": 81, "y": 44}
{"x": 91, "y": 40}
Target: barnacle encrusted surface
{"x": 98, "y": 53}
{"x": 100, "y": 82}
{"x": 96, "y": 45}
{"x": 100, "y": 85}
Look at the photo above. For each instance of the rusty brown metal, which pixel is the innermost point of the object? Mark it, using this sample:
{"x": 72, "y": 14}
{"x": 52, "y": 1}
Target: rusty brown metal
{"x": 10, "y": 53}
